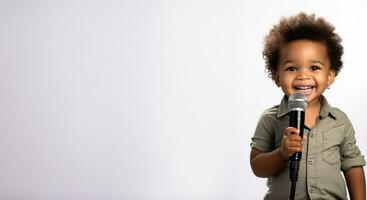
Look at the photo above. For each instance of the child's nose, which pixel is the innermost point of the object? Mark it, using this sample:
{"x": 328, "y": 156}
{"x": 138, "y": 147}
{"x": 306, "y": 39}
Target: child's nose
{"x": 303, "y": 74}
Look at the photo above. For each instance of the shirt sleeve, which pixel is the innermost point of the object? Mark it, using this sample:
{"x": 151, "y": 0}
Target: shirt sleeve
{"x": 350, "y": 154}
{"x": 263, "y": 136}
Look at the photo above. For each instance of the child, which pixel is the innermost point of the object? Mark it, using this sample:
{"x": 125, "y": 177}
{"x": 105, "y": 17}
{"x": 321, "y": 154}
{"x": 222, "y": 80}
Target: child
{"x": 303, "y": 55}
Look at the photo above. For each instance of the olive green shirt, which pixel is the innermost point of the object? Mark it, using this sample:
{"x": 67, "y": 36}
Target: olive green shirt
{"x": 330, "y": 148}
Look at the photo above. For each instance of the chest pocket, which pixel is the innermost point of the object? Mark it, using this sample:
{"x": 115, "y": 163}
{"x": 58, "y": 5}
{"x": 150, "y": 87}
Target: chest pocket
{"x": 332, "y": 139}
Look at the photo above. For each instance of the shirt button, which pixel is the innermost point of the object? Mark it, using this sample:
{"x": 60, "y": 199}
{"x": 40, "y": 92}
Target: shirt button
{"x": 312, "y": 190}
{"x": 311, "y": 134}
{"x": 310, "y": 161}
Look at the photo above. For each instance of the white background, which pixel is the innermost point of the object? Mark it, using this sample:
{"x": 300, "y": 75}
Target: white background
{"x": 152, "y": 100}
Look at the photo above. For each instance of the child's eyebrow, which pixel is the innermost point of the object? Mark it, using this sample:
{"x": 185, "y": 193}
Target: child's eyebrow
{"x": 287, "y": 61}
{"x": 311, "y": 61}
{"x": 316, "y": 61}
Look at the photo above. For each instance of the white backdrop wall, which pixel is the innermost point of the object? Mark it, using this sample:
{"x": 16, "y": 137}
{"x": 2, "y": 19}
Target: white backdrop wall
{"x": 148, "y": 99}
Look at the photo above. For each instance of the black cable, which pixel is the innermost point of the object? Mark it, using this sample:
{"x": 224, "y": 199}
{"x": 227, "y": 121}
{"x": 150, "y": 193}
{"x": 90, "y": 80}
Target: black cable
{"x": 293, "y": 191}
{"x": 293, "y": 174}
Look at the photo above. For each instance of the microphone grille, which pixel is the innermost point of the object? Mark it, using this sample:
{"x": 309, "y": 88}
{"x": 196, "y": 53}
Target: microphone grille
{"x": 297, "y": 101}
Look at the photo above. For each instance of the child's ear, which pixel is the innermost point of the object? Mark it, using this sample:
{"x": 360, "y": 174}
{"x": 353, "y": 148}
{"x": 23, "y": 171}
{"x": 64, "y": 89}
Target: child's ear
{"x": 330, "y": 77}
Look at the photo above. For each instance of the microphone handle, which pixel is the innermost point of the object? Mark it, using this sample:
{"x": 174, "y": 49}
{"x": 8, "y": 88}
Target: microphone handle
{"x": 297, "y": 120}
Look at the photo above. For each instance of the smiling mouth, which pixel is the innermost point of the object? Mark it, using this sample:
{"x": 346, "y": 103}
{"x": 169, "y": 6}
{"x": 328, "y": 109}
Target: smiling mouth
{"x": 304, "y": 88}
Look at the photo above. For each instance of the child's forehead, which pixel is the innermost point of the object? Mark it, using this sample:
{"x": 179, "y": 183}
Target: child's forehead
{"x": 301, "y": 50}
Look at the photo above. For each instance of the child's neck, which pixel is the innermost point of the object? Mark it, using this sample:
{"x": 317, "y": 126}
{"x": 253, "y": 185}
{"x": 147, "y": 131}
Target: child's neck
{"x": 312, "y": 113}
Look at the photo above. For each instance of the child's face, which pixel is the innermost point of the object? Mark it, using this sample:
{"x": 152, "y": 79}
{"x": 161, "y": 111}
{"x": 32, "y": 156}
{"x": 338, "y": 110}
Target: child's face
{"x": 304, "y": 67}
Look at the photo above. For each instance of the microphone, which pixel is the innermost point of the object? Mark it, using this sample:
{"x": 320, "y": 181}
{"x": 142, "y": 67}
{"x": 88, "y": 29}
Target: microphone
{"x": 297, "y": 104}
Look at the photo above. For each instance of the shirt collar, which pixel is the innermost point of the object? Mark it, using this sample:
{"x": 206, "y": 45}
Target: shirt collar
{"x": 283, "y": 107}
{"x": 326, "y": 109}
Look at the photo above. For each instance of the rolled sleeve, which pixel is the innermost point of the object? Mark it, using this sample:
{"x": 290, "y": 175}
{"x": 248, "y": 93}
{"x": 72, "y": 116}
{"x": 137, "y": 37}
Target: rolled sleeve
{"x": 351, "y": 155}
{"x": 353, "y": 162}
{"x": 263, "y": 137}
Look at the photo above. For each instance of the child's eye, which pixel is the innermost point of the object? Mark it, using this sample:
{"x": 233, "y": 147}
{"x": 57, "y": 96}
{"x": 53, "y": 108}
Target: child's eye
{"x": 291, "y": 69}
{"x": 315, "y": 67}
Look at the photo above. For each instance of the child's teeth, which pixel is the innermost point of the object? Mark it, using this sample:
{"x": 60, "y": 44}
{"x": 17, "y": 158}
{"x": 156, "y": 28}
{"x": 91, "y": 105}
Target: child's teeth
{"x": 303, "y": 87}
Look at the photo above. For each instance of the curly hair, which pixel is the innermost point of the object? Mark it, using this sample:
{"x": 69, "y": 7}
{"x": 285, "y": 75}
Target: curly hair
{"x": 301, "y": 27}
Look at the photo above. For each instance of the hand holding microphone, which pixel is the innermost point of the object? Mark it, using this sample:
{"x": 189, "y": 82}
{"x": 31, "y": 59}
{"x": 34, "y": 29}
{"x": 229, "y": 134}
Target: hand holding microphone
{"x": 292, "y": 142}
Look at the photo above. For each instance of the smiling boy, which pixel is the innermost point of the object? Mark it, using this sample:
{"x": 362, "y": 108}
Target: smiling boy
{"x": 303, "y": 55}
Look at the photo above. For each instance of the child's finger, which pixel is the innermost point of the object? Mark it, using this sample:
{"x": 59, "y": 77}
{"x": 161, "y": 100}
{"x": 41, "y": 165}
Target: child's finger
{"x": 295, "y": 137}
{"x": 291, "y": 130}
{"x": 295, "y": 149}
{"x": 294, "y": 144}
